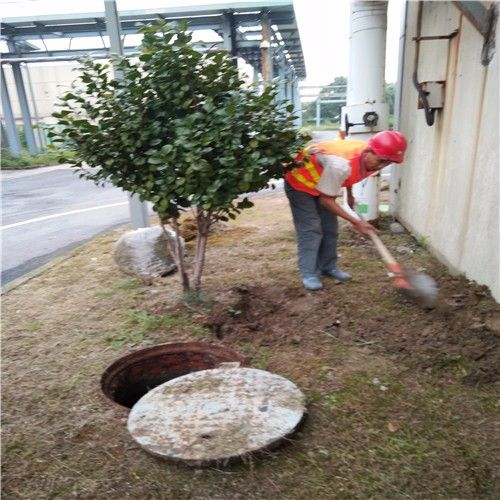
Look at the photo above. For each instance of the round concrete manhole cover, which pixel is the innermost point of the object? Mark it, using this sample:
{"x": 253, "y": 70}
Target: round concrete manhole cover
{"x": 216, "y": 415}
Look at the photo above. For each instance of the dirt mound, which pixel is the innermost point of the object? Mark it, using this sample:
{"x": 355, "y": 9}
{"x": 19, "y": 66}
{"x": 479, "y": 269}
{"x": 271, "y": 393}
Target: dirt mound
{"x": 458, "y": 334}
{"x": 254, "y": 313}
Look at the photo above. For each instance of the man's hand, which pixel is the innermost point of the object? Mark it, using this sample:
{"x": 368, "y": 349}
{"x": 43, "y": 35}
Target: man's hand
{"x": 330, "y": 203}
{"x": 364, "y": 227}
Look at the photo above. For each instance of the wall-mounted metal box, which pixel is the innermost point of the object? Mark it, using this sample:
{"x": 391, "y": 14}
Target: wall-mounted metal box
{"x": 435, "y": 95}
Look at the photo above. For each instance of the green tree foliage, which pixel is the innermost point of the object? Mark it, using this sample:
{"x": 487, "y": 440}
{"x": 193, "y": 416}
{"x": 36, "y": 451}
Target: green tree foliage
{"x": 180, "y": 130}
{"x": 390, "y": 91}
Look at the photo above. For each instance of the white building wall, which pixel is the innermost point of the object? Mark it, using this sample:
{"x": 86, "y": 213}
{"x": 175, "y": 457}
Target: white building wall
{"x": 447, "y": 192}
{"x": 48, "y": 81}
{"x": 51, "y": 80}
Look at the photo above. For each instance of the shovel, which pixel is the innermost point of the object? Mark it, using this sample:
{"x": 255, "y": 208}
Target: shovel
{"x": 417, "y": 286}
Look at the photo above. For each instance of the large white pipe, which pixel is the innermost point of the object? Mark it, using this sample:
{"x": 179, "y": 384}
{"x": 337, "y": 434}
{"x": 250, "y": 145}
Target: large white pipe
{"x": 366, "y": 85}
{"x": 367, "y": 52}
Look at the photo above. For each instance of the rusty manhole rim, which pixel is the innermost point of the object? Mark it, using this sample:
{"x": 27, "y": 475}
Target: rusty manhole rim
{"x": 144, "y": 354}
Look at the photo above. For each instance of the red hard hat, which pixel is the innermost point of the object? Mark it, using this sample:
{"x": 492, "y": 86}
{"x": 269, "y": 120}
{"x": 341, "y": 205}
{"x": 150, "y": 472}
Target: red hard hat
{"x": 389, "y": 144}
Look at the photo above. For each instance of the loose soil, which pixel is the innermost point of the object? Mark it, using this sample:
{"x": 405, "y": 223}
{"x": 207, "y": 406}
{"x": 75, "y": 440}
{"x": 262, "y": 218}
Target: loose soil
{"x": 401, "y": 400}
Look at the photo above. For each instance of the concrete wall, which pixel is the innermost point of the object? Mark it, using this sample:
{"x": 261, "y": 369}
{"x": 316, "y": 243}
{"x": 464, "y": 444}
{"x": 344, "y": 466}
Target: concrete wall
{"x": 447, "y": 192}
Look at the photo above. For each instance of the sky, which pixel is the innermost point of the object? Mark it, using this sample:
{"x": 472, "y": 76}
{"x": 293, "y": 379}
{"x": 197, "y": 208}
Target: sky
{"x": 323, "y": 27}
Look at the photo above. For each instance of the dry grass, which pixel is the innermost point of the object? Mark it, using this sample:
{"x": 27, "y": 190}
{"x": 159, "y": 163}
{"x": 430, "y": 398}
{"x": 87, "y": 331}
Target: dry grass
{"x": 382, "y": 423}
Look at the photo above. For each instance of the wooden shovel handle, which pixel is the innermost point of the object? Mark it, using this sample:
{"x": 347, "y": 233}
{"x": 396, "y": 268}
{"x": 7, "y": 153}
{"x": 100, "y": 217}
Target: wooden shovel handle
{"x": 383, "y": 251}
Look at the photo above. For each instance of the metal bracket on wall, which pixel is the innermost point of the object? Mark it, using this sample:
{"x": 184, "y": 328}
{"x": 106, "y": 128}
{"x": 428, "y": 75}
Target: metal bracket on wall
{"x": 485, "y": 21}
{"x": 370, "y": 119}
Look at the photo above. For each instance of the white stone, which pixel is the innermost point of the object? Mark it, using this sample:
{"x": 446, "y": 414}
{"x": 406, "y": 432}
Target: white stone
{"x": 396, "y": 227}
{"x": 144, "y": 252}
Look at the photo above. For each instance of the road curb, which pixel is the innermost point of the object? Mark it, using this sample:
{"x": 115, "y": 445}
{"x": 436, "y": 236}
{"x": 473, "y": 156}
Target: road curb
{"x": 36, "y": 272}
{"x": 61, "y": 258}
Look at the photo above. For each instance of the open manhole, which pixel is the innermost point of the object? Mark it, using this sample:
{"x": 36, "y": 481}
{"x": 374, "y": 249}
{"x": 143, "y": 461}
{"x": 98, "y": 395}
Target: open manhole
{"x": 129, "y": 378}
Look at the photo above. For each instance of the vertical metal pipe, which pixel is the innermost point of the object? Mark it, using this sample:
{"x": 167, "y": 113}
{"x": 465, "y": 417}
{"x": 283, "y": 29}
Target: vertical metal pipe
{"x": 318, "y": 111}
{"x": 10, "y": 122}
{"x": 138, "y": 209}
{"x": 367, "y": 51}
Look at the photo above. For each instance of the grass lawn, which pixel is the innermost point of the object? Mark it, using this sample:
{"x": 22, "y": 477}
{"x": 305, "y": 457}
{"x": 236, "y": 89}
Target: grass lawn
{"x": 401, "y": 401}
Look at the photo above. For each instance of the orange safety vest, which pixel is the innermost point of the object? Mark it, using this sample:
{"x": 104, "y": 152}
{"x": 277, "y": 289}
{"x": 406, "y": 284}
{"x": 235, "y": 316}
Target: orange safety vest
{"x": 306, "y": 177}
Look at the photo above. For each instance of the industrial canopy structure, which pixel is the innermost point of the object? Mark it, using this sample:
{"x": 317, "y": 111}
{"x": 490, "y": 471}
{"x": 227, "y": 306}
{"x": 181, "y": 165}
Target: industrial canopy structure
{"x": 262, "y": 33}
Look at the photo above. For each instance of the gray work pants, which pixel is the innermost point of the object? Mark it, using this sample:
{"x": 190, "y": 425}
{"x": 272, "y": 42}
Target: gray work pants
{"x": 316, "y": 229}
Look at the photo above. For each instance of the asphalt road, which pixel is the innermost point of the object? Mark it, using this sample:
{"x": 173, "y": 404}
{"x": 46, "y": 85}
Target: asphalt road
{"x": 49, "y": 211}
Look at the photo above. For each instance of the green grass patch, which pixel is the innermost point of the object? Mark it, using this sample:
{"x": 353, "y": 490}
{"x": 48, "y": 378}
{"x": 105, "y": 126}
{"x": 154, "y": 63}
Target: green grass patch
{"x": 140, "y": 325}
{"x": 261, "y": 359}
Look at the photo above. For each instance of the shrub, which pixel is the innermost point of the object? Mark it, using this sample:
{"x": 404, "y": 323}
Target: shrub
{"x": 180, "y": 129}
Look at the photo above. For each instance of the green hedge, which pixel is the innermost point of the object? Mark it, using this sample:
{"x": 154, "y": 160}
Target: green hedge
{"x": 25, "y": 160}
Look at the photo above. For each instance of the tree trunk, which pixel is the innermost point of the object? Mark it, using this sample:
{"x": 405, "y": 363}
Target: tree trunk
{"x": 176, "y": 251}
{"x": 203, "y": 220}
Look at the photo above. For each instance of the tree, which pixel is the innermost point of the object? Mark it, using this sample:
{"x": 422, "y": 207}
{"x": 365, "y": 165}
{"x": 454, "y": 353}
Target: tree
{"x": 180, "y": 130}
{"x": 390, "y": 91}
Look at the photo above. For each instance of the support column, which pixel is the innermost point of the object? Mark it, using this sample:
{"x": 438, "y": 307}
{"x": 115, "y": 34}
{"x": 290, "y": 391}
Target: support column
{"x": 40, "y": 132}
{"x": 289, "y": 85}
{"x": 138, "y": 209}
{"x": 10, "y": 123}
{"x": 296, "y": 101}
{"x": 265, "y": 48}
{"x": 23, "y": 104}
{"x": 255, "y": 76}
{"x": 282, "y": 76}
{"x": 366, "y": 84}
{"x": 229, "y": 33}
{"x": 318, "y": 111}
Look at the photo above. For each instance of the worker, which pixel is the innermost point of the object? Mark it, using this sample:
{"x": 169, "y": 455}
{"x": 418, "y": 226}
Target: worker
{"x": 312, "y": 184}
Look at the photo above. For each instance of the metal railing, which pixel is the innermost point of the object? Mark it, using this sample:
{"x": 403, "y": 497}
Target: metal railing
{"x": 322, "y": 95}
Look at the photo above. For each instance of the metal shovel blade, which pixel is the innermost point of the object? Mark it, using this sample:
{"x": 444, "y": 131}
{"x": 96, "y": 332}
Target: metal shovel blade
{"x": 423, "y": 289}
